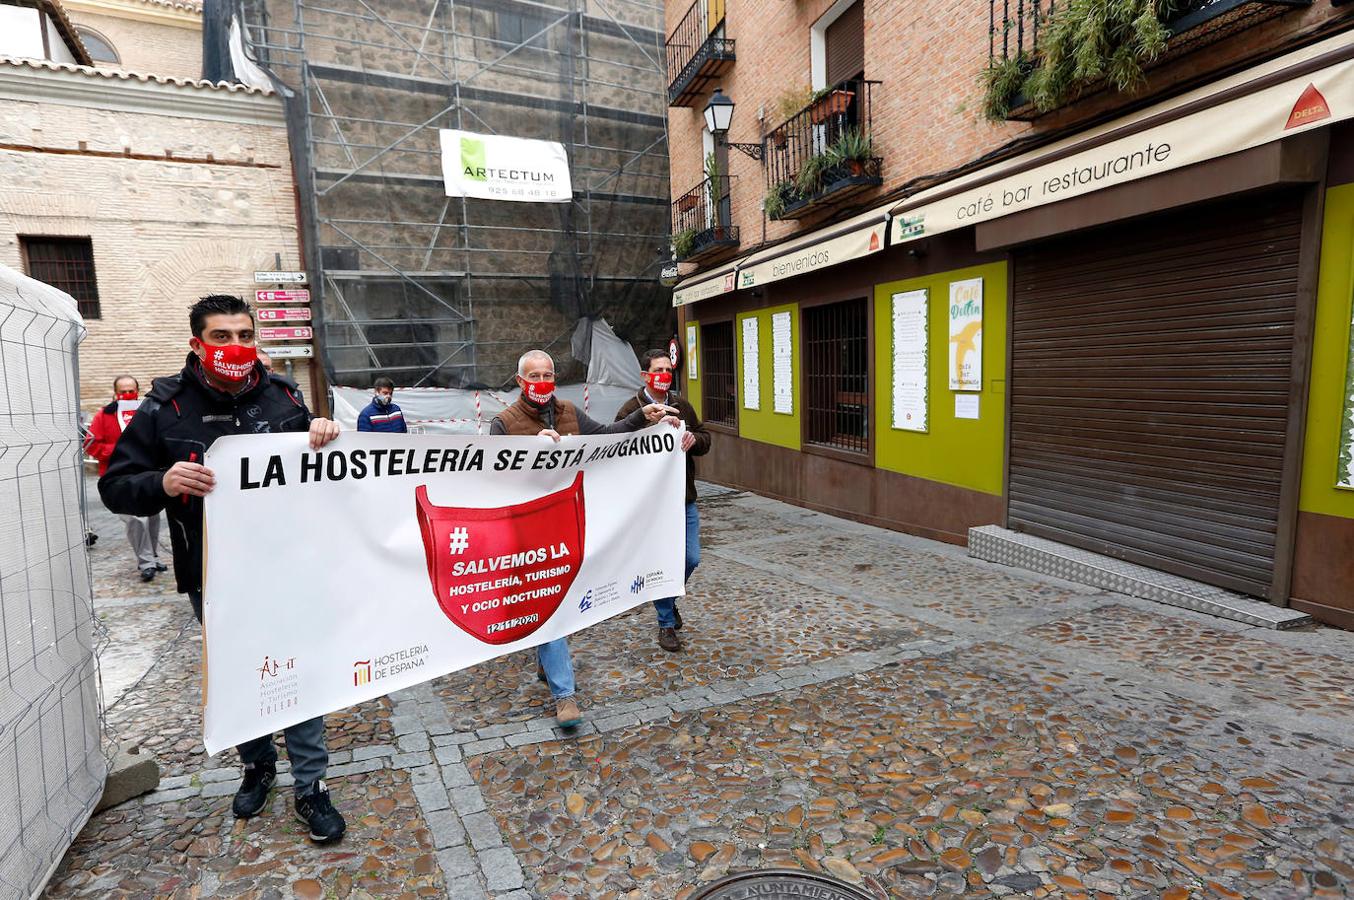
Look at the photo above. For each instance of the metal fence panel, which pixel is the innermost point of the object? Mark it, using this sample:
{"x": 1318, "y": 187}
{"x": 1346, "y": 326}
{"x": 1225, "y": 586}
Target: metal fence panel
{"x": 52, "y": 767}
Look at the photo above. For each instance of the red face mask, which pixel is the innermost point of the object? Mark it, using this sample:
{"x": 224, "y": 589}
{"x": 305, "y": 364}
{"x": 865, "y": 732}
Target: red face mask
{"x": 127, "y": 395}
{"x": 540, "y": 392}
{"x": 479, "y": 561}
{"x": 659, "y": 381}
{"x": 230, "y": 362}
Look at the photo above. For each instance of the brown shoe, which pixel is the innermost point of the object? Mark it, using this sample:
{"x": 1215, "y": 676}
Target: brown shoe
{"x": 567, "y": 714}
{"x": 540, "y": 674}
{"x": 668, "y": 640}
{"x": 677, "y": 614}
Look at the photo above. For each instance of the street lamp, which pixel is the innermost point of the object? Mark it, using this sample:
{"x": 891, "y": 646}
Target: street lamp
{"x": 718, "y": 115}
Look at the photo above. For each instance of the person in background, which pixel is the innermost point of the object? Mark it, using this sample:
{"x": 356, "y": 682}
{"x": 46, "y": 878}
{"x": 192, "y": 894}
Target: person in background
{"x": 143, "y": 532}
{"x": 157, "y": 465}
{"x": 539, "y": 412}
{"x": 266, "y": 361}
{"x": 381, "y": 414}
{"x": 657, "y": 388}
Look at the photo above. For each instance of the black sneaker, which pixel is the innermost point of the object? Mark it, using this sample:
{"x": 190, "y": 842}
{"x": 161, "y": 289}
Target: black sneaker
{"x": 147, "y": 574}
{"x": 161, "y": 567}
{"x": 252, "y": 796}
{"x": 326, "y": 823}
{"x": 677, "y": 616}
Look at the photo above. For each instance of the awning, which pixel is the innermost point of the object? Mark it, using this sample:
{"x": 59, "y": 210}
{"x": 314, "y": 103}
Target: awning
{"x": 1306, "y": 89}
{"x": 839, "y": 243}
{"x": 844, "y": 241}
{"x": 705, "y": 285}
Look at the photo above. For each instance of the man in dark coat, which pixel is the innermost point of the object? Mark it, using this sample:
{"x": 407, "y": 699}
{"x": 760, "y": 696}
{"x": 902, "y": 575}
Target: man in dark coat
{"x": 657, "y": 388}
{"x": 157, "y": 465}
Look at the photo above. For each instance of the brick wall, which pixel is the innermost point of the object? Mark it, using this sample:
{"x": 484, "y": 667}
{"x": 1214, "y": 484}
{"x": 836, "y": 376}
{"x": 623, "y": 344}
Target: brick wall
{"x": 148, "y": 46}
{"x": 164, "y": 231}
{"x": 928, "y": 118}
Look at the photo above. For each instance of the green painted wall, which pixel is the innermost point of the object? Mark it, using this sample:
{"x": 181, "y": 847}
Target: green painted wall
{"x": 1330, "y": 352}
{"x": 763, "y": 424}
{"x": 966, "y": 453}
{"x": 689, "y": 388}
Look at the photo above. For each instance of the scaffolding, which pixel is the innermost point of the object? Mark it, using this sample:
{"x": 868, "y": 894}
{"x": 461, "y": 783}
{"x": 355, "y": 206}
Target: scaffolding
{"x": 438, "y": 291}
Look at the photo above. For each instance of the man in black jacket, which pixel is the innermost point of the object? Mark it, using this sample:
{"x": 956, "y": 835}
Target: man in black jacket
{"x": 657, "y": 388}
{"x": 157, "y": 465}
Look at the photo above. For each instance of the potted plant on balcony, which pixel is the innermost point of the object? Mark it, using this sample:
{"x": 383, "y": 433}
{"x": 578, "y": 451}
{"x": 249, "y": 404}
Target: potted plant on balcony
{"x": 776, "y": 199}
{"x": 789, "y": 105}
{"x": 683, "y": 242}
{"x": 830, "y": 102}
{"x": 809, "y": 178}
{"x": 1082, "y": 42}
{"x": 851, "y": 151}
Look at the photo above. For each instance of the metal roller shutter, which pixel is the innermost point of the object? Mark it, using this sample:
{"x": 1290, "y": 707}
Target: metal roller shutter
{"x": 1151, "y": 364}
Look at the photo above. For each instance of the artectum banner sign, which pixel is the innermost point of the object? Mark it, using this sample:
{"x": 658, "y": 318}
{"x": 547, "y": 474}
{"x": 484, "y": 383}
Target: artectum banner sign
{"x": 411, "y": 556}
{"x": 1310, "y": 100}
{"x": 492, "y": 167}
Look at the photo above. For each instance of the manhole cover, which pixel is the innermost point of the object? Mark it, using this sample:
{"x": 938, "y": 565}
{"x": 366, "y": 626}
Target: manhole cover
{"x": 781, "y": 884}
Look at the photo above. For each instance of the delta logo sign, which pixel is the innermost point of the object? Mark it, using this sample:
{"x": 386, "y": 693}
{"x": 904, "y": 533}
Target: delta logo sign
{"x": 1311, "y": 107}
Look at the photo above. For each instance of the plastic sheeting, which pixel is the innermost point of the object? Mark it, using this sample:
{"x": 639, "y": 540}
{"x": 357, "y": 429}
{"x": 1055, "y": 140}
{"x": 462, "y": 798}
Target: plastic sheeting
{"x": 52, "y": 767}
{"x": 613, "y": 377}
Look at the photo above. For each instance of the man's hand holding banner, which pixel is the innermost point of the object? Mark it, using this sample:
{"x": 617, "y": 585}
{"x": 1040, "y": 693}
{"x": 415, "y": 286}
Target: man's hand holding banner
{"x": 382, "y": 561}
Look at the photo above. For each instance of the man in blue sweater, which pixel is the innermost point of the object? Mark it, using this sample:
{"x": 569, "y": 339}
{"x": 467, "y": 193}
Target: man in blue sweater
{"x": 381, "y": 413}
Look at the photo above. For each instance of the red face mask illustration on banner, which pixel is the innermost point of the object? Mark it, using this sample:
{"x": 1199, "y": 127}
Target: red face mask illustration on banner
{"x": 229, "y": 362}
{"x": 540, "y": 392}
{"x": 659, "y": 381}
{"x": 501, "y": 573}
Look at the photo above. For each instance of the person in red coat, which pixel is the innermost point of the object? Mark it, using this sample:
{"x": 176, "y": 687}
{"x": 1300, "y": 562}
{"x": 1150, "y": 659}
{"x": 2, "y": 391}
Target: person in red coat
{"x": 142, "y": 533}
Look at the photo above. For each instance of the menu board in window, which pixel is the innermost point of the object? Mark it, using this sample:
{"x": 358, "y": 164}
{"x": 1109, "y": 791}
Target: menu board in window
{"x": 910, "y": 331}
{"x": 752, "y": 361}
{"x": 782, "y": 368}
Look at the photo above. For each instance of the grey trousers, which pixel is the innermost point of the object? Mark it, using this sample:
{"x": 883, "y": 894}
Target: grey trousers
{"x": 305, "y": 749}
{"x": 144, "y": 536}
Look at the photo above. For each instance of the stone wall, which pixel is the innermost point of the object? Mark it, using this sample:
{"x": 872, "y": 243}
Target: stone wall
{"x": 183, "y": 191}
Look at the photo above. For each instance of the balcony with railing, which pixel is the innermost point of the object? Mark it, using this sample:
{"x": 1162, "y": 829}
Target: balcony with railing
{"x": 697, "y": 52}
{"x": 824, "y": 154}
{"x": 701, "y": 221}
{"x": 1020, "y": 31}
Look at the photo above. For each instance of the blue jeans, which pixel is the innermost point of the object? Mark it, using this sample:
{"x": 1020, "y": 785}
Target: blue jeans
{"x": 666, "y": 617}
{"x": 305, "y": 749}
{"x": 559, "y": 669}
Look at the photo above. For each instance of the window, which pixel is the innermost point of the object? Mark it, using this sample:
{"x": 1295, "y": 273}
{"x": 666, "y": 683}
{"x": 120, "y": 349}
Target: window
{"x": 837, "y": 374}
{"x": 99, "y": 47}
{"x": 717, "y": 382}
{"x": 66, "y": 263}
{"x": 512, "y": 29}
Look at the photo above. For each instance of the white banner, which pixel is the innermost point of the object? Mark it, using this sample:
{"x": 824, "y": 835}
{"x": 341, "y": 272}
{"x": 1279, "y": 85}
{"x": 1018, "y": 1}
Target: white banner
{"x": 394, "y": 559}
{"x": 492, "y": 167}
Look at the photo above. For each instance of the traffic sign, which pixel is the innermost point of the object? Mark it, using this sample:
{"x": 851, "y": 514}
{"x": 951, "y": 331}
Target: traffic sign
{"x": 290, "y": 351}
{"x": 284, "y": 314}
{"x": 298, "y": 333}
{"x": 279, "y": 277}
{"x": 300, "y": 295}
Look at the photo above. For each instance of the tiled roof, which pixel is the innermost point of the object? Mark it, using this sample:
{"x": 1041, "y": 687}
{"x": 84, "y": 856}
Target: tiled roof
{"x": 91, "y": 72}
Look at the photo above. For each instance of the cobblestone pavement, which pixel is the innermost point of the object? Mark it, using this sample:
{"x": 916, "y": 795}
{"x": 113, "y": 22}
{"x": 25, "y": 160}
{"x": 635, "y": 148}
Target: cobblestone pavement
{"x": 852, "y": 701}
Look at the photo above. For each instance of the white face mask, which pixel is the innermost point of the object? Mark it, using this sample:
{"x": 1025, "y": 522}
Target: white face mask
{"x": 383, "y": 400}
